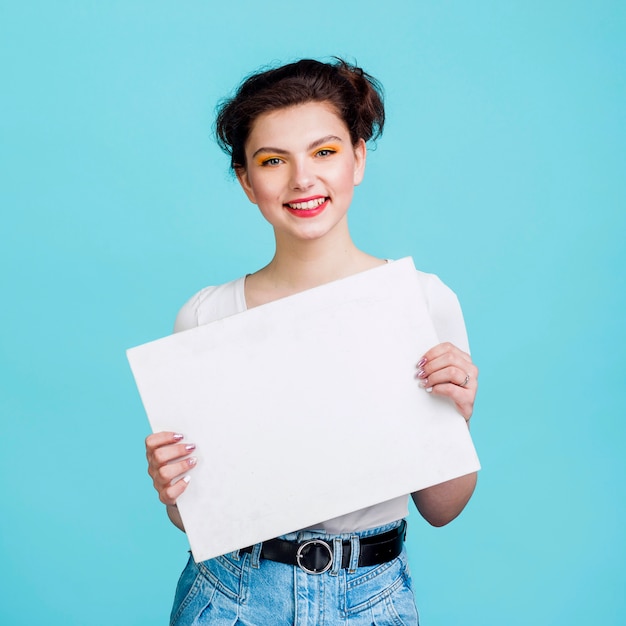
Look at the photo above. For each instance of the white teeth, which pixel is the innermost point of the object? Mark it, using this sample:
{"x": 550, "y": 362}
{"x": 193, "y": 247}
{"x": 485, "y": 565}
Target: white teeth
{"x": 307, "y": 206}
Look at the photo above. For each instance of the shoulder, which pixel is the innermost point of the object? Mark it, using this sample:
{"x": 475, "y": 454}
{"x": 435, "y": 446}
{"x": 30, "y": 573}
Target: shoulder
{"x": 438, "y": 295}
{"x": 210, "y": 304}
{"x": 445, "y": 310}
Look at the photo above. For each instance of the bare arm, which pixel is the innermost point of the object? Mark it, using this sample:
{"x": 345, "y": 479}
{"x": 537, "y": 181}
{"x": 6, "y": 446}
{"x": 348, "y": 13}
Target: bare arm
{"x": 440, "y": 504}
{"x": 174, "y": 515}
{"x": 447, "y": 371}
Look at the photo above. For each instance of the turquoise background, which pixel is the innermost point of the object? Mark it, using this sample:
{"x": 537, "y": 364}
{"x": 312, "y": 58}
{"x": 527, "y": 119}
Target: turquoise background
{"x": 501, "y": 169}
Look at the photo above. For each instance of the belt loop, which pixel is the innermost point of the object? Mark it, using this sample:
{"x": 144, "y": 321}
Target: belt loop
{"x": 255, "y": 556}
{"x": 337, "y": 556}
{"x": 355, "y": 549}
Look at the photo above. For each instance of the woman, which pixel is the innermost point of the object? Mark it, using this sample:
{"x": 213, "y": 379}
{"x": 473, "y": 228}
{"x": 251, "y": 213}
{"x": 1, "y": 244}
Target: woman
{"x": 297, "y": 140}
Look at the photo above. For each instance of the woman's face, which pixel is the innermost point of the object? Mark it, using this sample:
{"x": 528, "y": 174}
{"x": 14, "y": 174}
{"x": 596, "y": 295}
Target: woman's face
{"x": 301, "y": 169}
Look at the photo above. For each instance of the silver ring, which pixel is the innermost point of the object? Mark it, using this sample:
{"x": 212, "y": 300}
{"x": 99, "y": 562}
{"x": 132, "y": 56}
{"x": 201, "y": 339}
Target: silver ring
{"x": 467, "y": 377}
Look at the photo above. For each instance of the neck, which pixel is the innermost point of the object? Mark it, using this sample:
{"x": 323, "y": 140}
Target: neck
{"x": 304, "y": 269}
{"x": 300, "y": 265}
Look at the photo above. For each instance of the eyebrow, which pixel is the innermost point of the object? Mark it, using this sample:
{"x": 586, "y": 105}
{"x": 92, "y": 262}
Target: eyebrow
{"x": 311, "y": 146}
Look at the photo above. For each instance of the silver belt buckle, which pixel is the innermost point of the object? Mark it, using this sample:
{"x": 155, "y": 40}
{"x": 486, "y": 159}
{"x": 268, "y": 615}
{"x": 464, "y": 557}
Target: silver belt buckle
{"x": 300, "y": 554}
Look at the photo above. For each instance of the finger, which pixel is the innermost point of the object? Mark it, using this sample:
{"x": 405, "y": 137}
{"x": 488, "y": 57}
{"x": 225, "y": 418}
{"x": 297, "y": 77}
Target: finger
{"x": 467, "y": 378}
{"x": 448, "y": 368}
{"x": 452, "y": 374}
{"x": 462, "y": 398}
{"x": 445, "y": 348}
{"x": 169, "y": 453}
{"x": 442, "y": 356}
{"x": 170, "y": 494}
{"x": 458, "y": 358}
{"x": 166, "y": 475}
{"x": 156, "y": 440}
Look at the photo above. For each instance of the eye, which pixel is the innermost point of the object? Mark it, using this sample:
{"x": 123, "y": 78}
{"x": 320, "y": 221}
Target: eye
{"x": 271, "y": 162}
{"x": 325, "y": 152}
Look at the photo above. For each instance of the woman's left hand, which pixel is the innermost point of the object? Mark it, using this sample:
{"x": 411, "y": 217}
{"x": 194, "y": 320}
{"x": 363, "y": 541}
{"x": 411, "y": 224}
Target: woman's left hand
{"x": 447, "y": 371}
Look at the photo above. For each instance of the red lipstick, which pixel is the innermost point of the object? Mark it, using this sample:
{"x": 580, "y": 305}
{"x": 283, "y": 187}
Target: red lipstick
{"x": 307, "y": 207}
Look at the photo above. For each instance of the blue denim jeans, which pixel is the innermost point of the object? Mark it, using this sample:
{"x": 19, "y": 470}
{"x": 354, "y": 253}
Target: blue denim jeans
{"x": 250, "y": 591}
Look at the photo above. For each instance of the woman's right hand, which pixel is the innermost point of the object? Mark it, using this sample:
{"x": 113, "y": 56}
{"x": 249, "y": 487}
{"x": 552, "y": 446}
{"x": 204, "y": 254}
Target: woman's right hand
{"x": 168, "y": 464}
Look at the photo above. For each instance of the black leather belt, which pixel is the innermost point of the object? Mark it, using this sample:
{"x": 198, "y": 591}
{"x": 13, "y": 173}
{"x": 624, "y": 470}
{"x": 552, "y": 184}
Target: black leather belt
{"x": 315, "y": 556}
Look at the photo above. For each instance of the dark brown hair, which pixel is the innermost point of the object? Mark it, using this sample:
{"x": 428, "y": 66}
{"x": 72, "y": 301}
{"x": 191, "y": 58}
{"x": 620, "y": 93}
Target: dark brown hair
{"x": 356, "y": 96}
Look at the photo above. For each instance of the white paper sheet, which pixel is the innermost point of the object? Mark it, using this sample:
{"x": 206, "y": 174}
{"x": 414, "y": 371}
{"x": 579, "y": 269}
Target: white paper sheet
{"x": 286, "y": 400}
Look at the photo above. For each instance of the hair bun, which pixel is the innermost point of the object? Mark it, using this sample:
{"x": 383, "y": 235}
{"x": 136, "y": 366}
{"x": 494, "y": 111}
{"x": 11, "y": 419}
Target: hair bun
{"x": 356, "y": 96}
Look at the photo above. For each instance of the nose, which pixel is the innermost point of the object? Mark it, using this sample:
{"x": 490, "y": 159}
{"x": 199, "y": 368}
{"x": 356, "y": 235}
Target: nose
{"x": 302, "y": 176}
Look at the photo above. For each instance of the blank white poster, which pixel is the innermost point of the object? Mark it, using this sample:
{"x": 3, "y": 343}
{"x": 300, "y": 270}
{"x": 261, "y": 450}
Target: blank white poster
{"x": 291, "y": 399}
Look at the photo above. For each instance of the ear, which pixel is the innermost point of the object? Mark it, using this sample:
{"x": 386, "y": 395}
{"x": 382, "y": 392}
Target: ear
{"x": 360, "y": 156}
{"x": 244, "y": 181}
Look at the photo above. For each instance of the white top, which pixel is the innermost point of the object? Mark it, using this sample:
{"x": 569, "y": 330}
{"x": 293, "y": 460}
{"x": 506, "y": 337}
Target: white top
{"x": 213, "y": 303}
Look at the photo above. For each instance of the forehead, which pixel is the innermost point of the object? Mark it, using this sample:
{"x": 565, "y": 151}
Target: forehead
{"x": 297, "y": 125}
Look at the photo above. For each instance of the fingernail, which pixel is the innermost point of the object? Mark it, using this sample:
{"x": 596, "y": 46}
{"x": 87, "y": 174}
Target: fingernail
{"x": 429, "y": 390}
{"x": 192, "y": 461}
{"x": 178, "y": 437}
{"x": 421, "y": 373}
{"x": 422, "y": 362}
{"x": 190, "y": 446}
{"x": 423, "y": 384}
{"x": 186, "y": 479}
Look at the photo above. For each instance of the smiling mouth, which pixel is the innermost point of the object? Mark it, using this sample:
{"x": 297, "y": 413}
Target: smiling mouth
{"x": 306, "y": 206}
